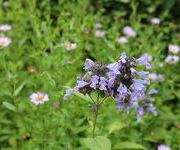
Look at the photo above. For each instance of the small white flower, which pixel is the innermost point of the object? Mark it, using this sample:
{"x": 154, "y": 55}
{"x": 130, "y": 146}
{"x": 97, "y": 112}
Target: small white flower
{"x": 172, "y": 59}
{"x": 4, "y": 41}
{"x": 99, "y": 33}
{"x": 129, "y": 31}
{"x": 163, "y": 147}
{"x": 98, "y": 25}
{"x": 39, "y": 98}
{"x": 160, "y": 64}
{"x": 155, "y": 21}
{"x": 173, "y": 48}
{"x": 122, "y": 39}
{"x": 148, "y": 57}
{"x": 69, "y": 46}
{"x": 5, "y": 27}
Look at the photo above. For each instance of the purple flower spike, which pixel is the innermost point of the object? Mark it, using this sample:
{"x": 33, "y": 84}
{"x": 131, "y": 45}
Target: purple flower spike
{"x": 121, "y": 81}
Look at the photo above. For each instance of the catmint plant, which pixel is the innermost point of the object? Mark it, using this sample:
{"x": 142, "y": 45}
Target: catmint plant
{"x": 121, "y": 81}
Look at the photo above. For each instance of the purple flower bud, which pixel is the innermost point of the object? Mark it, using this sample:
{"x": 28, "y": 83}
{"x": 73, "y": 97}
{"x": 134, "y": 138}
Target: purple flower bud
{"x": 152, "y": 91}
{"x": 122, "y": 89}
{"x": 81, "y": 84}
{"x": 143, "y": 60}
{"x": 103, "y": 84}
{"x": 69, "y": 92}
{"x": 123, "y": 57}
{"x": 142, "y": 74}
{"x": 89, "y": 64}
{"x": 94, "y": 81}
{"x": 114, "y": 67}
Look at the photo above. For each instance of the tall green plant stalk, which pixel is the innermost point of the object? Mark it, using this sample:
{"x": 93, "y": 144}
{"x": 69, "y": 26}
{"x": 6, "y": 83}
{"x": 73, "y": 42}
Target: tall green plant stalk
{"x": 97, "y": 104}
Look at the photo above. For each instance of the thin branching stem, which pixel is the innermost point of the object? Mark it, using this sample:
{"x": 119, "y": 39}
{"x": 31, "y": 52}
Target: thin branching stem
{"x": 92, "y": 99}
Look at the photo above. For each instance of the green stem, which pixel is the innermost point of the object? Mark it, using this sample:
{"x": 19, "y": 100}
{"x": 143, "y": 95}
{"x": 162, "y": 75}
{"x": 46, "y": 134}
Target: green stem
{"x": 97, "y": 104}
{"x": 95, "y": 119}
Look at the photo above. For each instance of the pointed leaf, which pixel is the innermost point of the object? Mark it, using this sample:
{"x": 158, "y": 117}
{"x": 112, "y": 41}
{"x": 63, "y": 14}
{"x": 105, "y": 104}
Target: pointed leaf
{"x": 97, "y": 143}
{"x": 129, "y": 145}
{"x": 9, "y": 106}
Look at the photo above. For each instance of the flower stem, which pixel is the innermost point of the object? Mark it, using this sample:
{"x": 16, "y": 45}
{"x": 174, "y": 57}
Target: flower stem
{"x": 95, "y": 119}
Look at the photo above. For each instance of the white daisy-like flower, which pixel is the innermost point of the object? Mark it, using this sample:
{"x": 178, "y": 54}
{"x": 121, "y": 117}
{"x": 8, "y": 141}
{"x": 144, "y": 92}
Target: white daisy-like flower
{"x": 155, "y": 21}
{"x": 4, "y": 41}
{"x": 163, "y": 147}
{"x": 5, "y": 27}
{"x": 98, "y": 25}
{"x": 173, "y": 48}
{"x": 69, "y": 46}
{"x": 148, "y": 57}
{"x": 39, "y": 98}
{"x": 99, "y": 33}
{"x": 122, "y": 39}
{"x": 129, "y": 31}
{"x": 172, "y": 59}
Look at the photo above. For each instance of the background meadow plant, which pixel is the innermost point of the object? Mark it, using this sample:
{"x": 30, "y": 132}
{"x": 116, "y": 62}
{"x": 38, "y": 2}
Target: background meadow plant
{"x": 36, "y": 61}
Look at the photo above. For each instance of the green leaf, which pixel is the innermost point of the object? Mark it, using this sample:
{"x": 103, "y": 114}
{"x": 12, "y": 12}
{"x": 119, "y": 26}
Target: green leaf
{"x": 129, "y": 145}
{"x": 97, "y": 143}
{"x": 116, "y": 126}
{"x": 9, "y": 106}
{"x": 84, "y": 97}
{"x": 18, "y": 90}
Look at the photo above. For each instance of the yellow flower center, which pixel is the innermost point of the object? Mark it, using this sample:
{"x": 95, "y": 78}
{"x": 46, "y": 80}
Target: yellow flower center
{"x": 69, "y": 45}
{"x": 32, "y": 70}
{"x": 40, "y": 98}
{"x": 5, "y": 28}
{"x": 174, "y": 48}
{"x": 3, "y": 42}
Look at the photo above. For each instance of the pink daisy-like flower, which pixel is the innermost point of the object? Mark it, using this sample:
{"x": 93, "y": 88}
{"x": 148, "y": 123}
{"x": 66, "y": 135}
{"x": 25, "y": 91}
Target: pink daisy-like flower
{"x": 172, "y": 59}
{"x": 122, "y": 39}
{"x": 163, "y": 147}
{"x": 39, "y": 98}
{"x": 4, "y": 41}
{"x": 173, "y": 48}
{"x": 129, "y": 31}
{"x": 153, "y": 76}
{"x": 5, "y": 27}
{"x": 69, "y": 46}
{"x": 98, "y": 25}
{"x": 155, "y": 21}
{"x": 99, "y": 33}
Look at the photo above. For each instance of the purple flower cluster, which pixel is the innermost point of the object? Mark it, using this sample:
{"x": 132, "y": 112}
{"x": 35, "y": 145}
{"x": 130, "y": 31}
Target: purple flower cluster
{"x": 120, "y": 81}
